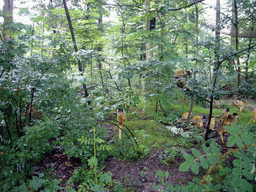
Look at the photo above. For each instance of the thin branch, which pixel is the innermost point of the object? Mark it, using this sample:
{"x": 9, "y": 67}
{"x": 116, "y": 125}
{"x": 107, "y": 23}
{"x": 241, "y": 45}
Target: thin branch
{"x": 234, "y": 54}
{"x": 179, "y": 8}
{"x": 2, "y": 73}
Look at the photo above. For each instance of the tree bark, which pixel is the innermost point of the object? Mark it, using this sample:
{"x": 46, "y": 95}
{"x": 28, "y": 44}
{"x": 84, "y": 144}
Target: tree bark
{"x": 80, "y": 67}
{"x": 8, "y": 17}
{"x": 235, "y": 23}
{"x": 147, "y": 3}
{"x": 216, "y": 65}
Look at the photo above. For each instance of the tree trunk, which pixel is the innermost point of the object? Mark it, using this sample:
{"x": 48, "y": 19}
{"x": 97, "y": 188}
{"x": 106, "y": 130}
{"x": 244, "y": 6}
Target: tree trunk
{"x": 80, "y": 67}
{"x": 216, "y": 65}
{"x": 247, "y": 60}
{"x": 8, "y": 18}
{"x": 99, "y": 57}
{"x": 147, "y": 3}
{"x": 234, "y": 41}
{"x": 237, "y": 43}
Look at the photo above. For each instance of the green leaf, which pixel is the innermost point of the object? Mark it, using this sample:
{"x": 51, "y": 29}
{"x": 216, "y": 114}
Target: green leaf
{"x": 237, "y": 162}
{"x": 195, "y": 167}
{"x": 237, "y": 128}
{"x": 169, "y": 186}
{"x": 196, "y": 153}
{"x": 230, "y": 130}
{"x": 204, "y": 163}
{"x": 252, "y": 63}
{"x": 212, "y": 158}
{"x": 246, "y": 137}
{"x": 239, "y": 142}
{"x": 237, "y": 172}
{"x": 206, "y": 149}
{"x": 231, "y": 141}
{"x": 217, "y": 187}
{"x": 188, "y": 157}
{"x": 36, "y": 183}
{"x": 222, "y": 172}
{"x": 92, "y": 161}
{"x": 246, "y": 185}
{"x": 184, "y": 166}
{"x": 236, "y": 182}
{"x": 247, "y": 174}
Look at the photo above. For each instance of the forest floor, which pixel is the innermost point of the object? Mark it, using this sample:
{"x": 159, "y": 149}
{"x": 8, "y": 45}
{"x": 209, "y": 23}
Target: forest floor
{"x": 138, "y": 175}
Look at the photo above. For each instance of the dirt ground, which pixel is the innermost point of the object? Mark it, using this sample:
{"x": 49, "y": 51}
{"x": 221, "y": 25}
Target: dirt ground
{"x": 139, "y": 175}
{"x": 136, "y": 176}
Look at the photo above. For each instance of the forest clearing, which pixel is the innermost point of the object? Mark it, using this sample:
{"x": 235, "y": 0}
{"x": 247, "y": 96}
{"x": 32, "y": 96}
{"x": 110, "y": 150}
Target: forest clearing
{"x": 137, "y": 95}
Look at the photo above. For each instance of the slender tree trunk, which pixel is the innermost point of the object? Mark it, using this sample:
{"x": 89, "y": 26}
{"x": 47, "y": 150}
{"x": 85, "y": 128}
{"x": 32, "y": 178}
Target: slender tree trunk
{"x": 247, "y": 60}
{"x": 80, "y": 67}
{"x": 216, "y": 65}
{"x": 8, "y": 18}
{"x": 237, "y": 42}
{"x": 99, "y": 50}
{"x": 147, "y": 3}
{"x": 197, "y": 37}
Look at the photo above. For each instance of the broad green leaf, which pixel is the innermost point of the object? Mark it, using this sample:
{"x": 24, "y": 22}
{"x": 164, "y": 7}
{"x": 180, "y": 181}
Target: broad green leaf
{"x": 239, "y": 142}
{"x": 184, "y": 166}
{"x": 237, "y": 172}
{"x": 237, "y": 162}
{"x": 246, "y": 137}
{"x": 228, "y": 170}
{"x": 216, "y": 150}
{"x": 206, "y": 149}
{"x": 247, "y": 174}
{"x": 204, "y": 163}
{"x": 212, "y": 158}
{"x": 170, "y": 186}
{"x": 217, "y": 187}
{"x": 236, "y": 128}
{"x": 244, "y": 128}
{"x": 236, "y": 182}
{"x": 188, "y": 157}
{"x": 231, "y": 141}
{"x": 246, "y": 185}
{"x": 230, "y": 130}
{"x": 196, "y": 153}
{"x": 192, "y": 184}
{"x": 195, "y": 167}
{"x": 222, "y": 172}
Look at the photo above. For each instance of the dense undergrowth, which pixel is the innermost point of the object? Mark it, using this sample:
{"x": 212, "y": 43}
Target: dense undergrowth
{"x": 77, "y": 128}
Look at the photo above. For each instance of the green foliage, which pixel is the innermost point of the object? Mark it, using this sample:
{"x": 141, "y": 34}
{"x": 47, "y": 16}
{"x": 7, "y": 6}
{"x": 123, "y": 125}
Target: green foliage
{"x": 165, "y": 187}
{"x": 127, "y": 149}
{"x": 28, "y": 150}
{"x": 86, "y": 179}
{"x": 233, "y": 177}
{"x": 40, "y": 182}
{"x": 170, "y": 155}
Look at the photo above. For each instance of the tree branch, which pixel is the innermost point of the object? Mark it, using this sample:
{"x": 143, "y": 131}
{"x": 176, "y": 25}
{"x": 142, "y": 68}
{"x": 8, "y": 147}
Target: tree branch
{"x": 179, "y": 8}
{"x": 235, "y": 54}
